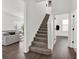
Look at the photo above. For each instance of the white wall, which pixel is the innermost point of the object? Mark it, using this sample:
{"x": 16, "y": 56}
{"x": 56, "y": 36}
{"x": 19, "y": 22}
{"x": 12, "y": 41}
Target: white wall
{"x": 63, "y": 6}
{"x": 9, "y": 21}
{"x": 35, "y": 13}
{"x": 13, "y": 6}
{"x": 51, "y": 32}
{"x": 58, "y": 21}
{"x": 13, "y": 14}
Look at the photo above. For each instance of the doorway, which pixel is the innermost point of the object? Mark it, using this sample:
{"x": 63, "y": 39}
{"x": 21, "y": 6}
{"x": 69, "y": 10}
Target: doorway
{"x": 61, "y": 25}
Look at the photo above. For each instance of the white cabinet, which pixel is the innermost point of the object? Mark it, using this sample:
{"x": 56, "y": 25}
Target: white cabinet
{"x": 9, "y": 39}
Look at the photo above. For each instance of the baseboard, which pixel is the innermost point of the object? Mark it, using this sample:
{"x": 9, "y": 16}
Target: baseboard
{"x": 26, "y": 51}
{"x": 62, "y": 36}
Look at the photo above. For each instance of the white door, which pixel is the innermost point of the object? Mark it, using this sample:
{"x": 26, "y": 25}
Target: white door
{"x": 71, "y": 31}
{"x": 72, "y": 38}
{"x": 75, "y": 30}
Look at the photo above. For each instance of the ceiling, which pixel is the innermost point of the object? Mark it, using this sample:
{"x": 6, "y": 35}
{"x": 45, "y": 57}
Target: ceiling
{"x": 64, "y": 6}
{"x": 16, "y": 7}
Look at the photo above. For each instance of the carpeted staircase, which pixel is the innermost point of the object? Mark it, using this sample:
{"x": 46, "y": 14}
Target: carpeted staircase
{"x": 40, "y": 44}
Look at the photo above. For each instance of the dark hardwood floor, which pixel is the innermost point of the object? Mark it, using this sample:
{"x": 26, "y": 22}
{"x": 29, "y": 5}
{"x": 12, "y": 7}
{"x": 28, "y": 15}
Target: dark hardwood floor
{"x": 61, "y": 51}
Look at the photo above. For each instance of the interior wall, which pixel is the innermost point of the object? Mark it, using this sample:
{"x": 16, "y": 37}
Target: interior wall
{"x": 12, "y": 14}
{"x": 9, "y": 21}
{"x": 58, "y": 21}
{"x": 51, "y": 32}
{"x": 13, "y": 6}
{"x": 35, "y": 13}
{"x": 35, "y": 17}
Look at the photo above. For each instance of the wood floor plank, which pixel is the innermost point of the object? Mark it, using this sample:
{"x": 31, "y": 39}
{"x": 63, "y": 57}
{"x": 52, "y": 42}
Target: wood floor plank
{"x": 61, "y": 51}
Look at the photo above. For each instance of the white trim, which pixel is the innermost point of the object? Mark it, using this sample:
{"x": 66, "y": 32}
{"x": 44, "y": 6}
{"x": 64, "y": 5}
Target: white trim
{"x": 26, "y": 51}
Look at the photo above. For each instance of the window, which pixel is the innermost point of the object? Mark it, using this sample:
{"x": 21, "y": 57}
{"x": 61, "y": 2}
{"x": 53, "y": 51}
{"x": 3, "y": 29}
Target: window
{"x": 65, "y": 25}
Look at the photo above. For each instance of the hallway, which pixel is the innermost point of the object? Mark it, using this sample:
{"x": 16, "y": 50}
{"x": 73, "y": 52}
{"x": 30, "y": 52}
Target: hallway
{"x": 61, "y": 51}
